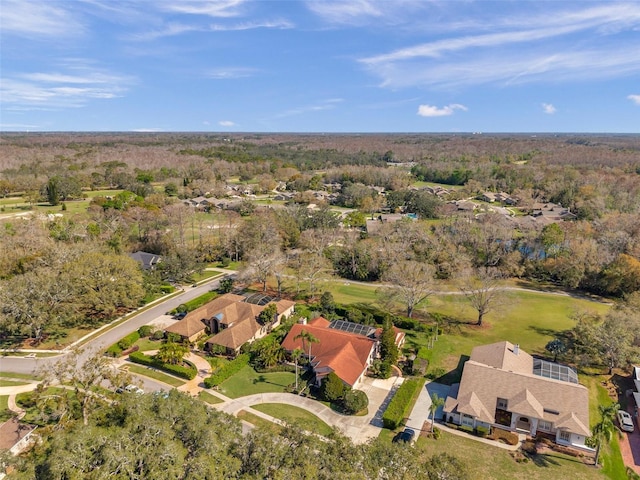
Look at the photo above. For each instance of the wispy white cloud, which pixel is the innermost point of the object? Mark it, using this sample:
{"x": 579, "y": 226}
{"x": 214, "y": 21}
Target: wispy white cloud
{"x": 230, "y": 73}
{"x": 275, "y": 24}
{"x": 44, "y": 19}
{"x": 345, "y": 12}
{"x": 211, "y": 8}
{"x": 548, "y": 108}
{"x": 174, "y": 29}
{"x": 635, "y": 99}
{"x": 519, "y": 50}
{"x": 74, "y": 88}
{"x": 168, "y": 30}
{"x": 433, "y": 111}
{"x": 328, "y": 104}
{"x": 226, "y": 123}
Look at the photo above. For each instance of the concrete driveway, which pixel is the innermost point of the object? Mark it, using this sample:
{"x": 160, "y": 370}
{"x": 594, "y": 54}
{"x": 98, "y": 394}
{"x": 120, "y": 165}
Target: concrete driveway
{"x": 420, "y": 413}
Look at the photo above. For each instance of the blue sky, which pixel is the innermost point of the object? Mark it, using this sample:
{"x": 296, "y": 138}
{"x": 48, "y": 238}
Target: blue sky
{"x": 320, "y": 66}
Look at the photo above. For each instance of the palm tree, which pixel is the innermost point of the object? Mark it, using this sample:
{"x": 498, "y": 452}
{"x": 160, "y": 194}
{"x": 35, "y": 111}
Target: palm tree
{"x": 307, "y": 338}
{"x": 603, "y": 430}
{"x": 436, "y": 402}
{"x": 172, "y": 353}
{"x": 296, "y": 354}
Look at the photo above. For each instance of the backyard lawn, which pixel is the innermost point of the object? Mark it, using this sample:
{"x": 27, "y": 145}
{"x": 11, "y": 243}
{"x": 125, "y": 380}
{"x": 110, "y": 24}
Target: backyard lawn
{"x": 247, "y": 382}
{"x": 295, "y": 415}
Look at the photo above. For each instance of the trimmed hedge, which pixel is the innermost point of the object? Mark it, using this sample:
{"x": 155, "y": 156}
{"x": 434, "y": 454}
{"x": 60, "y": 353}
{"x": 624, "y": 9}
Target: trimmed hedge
{"x": 124, "y": 343}
{"x": 231, "y": 368}
{"x": 402, "y": 401}
{"x": 189, "y": 372}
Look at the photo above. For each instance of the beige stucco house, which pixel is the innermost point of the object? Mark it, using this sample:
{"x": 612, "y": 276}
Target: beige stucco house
{"x": 505, "y": 387}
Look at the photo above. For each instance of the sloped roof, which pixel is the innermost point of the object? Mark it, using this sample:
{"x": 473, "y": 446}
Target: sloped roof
{"x": 147, "y": 260}
{"x": 215, "y": 306}
{"x": 187, "y": 327}
{"x": 284, "y": 305}
{"x": 237, "y": 335}
{"x": 345, "y": 353}
{"x": 563, "y": 403}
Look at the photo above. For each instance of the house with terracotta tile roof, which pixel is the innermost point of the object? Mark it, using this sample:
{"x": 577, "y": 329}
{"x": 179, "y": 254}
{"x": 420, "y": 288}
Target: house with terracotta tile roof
{"x": 232, "y": 319}
{"x": 345, "y": 348}
{"x": 505, "y": 387}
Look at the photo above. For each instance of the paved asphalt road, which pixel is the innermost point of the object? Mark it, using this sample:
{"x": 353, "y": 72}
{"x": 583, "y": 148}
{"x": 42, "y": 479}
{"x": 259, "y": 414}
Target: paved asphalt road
{"x": 29, "y": 365}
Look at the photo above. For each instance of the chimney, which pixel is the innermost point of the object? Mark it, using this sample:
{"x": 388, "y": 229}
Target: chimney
{"x": 516, "y": 349}
{"x": 302, "y": 321}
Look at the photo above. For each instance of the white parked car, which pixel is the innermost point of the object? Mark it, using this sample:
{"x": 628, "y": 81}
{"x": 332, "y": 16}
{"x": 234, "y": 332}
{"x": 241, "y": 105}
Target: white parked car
{"x": 625, "y": 420}
{"x": 134, "y": 389}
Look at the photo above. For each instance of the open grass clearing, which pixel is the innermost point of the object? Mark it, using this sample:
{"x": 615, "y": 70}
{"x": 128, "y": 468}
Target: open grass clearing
{"x": 156, "y": 375}
{"x": 204, "y": 275}
{"x": 248, "y": 382}
{"x": 209, "y": 398}
{"x": 295, "y": 416}
{"x": 146, "y": 344}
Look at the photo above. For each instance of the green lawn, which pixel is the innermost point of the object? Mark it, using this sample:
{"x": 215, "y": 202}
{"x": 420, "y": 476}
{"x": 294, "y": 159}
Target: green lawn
{"x": 247, "y": 382}
{"x": 488, "y": 462}
{"x": 10, "y": 383}
{"x": 146, "y": 344}
{"x": 259, "y": 421}
{"x": 26, "y": 376}
{"x": 206, "y": 274}
{"x": 163, "y": 377}
{"x": 209, "y": 398}
{"x": 295, "y": 415}
{"x": 5, "y": 413}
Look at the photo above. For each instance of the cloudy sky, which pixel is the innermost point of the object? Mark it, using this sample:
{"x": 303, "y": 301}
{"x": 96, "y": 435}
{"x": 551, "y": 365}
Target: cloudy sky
{"x": 320, "y": 66}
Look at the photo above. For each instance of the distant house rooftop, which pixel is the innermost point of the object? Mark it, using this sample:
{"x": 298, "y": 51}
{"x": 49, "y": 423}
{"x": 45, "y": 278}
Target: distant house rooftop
{"x": 147, "y": 260}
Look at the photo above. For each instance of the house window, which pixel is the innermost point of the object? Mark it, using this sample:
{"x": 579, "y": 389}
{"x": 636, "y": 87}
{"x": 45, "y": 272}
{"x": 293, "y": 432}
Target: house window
{"x": 502, "y": 404}
{"x": 544, "y": 426}
{"x": 467, "y": 420}
{"x": 565, "y": 436}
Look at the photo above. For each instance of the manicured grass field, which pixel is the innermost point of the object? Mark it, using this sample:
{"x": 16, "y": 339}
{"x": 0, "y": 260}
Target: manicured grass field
{"x": 209, "y": 398}
{"x": 206, "y": 274}
{"x": 492, "y": 463}
{"x": 247, "y": 382}
{"x": 147, "y": 372}
{"x": 295, "y": 415}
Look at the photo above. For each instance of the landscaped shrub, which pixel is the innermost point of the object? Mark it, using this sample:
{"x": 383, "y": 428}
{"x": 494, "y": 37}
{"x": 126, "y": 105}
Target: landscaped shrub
{"x": 504, "y": 436}
{"x": 482, "y": 431}
{"x": 355, "y": 401}
{"x": 399, "y": 405}
{"x": 189, "y": 372}
{"x": 157, "y": 335}
{"x": 124, "y": 343}
{"x": 199, "y": 301}
{"x": 227, "y": 371}
{"x": 167, "y": 288}
{"x": 145, "y": 331}
{"x": 332, "y": 387}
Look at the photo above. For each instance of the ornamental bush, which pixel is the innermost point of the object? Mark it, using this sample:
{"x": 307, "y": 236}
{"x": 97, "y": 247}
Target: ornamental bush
{"x": 189, "y": 372}
{"x": 398, "y": 407}
{"x": 231, "y": 368}
{"x": 355, "y": 401}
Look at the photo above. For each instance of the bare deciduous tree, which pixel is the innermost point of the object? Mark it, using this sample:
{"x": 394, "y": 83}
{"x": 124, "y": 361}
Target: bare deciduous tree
{"x": 482, "y": 289}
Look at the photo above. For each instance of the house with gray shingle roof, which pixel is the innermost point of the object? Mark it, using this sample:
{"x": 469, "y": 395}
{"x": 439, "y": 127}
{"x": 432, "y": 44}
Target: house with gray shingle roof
{"x": 505, "y": 387}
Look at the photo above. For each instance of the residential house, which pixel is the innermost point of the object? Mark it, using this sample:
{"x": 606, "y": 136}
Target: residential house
{"x": 636, "y": 389}
{"x": 147, "y": 261}
{"x": 373, "y": 225}
{"x": 505, "y": 387}
{"x": 342, "y": 347}
{"x": 233, "y": 319}
{"x": 16, "y": 436}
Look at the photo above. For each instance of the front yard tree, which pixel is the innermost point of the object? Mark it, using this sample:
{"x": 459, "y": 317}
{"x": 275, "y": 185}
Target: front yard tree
{"x": 261, "y": 262}
{"x": 410, "y": 282}
{"x": 332, "y": 387}
{"x": 604, "y": 429}
{"x": 172, "y": 353}
{"x": 307, "y": 339}
{"x": 84, "y": 371}
{"x": 388, "y": 348}
{"x": 436, "y": 402}
{"x": 482, "y": 289}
